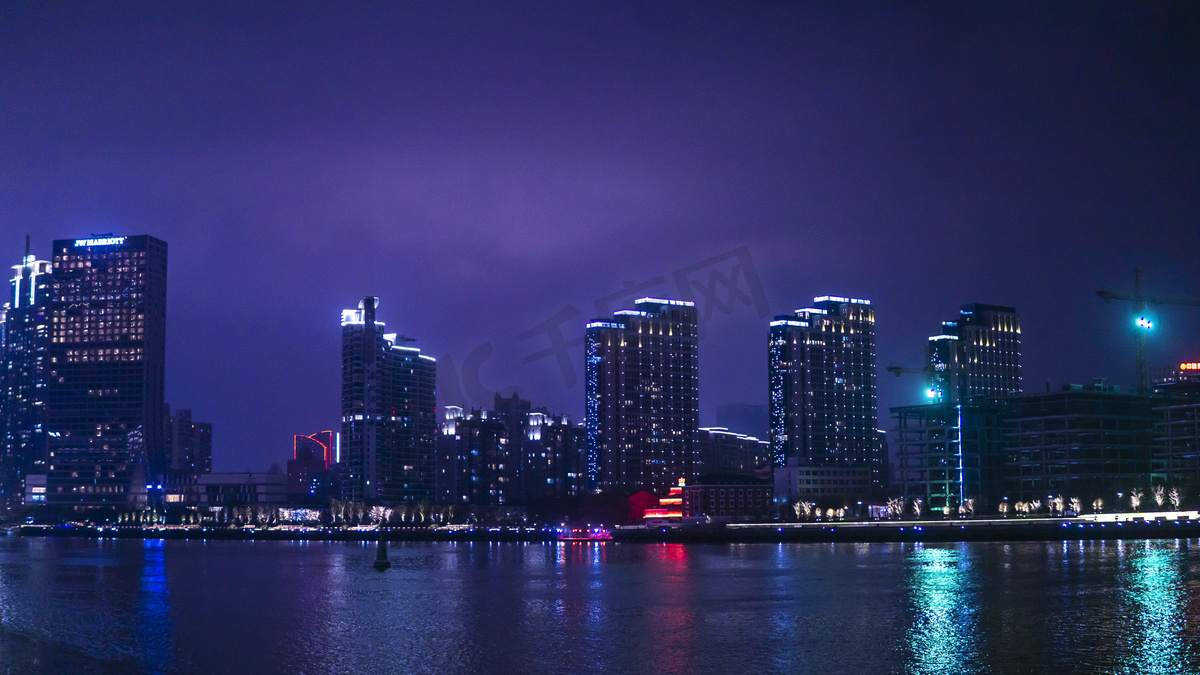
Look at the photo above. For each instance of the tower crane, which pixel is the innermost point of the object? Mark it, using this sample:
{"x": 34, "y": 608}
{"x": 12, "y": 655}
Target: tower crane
{"x": 1143, "y": 322}
{"x": 928, "y": 372}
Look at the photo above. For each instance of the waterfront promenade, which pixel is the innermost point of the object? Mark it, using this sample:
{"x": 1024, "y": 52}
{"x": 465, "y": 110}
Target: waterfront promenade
{"x": 1161, "y": 525}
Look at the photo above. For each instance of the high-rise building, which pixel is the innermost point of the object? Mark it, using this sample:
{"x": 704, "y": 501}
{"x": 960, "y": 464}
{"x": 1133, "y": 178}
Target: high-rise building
{"x": 977, "y": 355}
{"x": 643, "y": 396}
{"x": 23, "y": 378}
{"x": 509, "y": 455}
{"x": 107, "y": 355}
{"x": 822, "y": 391}
{"x": 389, "y": 416}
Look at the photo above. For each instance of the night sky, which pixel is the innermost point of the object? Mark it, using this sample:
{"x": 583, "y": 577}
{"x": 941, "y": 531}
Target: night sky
{"x": 491, "y": 169}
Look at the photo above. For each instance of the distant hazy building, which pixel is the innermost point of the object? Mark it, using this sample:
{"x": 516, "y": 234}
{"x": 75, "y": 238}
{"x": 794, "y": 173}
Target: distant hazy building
{"x": 720, "y": 451}
{"x": 189, "y": 445}
{"x": 822, "y": 392}
{"x": 389, "y": 420}
{"x": 977, "y": 355}
{"x": 23, "y": 380}
{"x": 105, "y": 386}
{"x": 643, "y": 395}
{"x": 745, "y": 418}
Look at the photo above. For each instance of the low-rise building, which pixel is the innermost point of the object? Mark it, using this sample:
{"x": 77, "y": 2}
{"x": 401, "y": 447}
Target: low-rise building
{"x": 728, "y": 497}
{"x": 242, "y": 488}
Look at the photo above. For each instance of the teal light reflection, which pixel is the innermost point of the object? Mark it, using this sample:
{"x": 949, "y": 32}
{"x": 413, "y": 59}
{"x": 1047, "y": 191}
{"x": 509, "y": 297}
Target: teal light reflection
{"x": 1156, "y": 593}
{"x": 942, "y": 636}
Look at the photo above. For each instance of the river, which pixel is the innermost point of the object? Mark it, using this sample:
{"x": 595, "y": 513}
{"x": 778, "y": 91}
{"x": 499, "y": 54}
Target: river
{"x": 94, "y": 605}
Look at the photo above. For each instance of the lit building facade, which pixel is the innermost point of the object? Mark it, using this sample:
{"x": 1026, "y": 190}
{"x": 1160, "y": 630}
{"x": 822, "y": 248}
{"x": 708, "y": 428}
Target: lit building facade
{"x": 822, "y": 392}
{"x": 389, "y": 417}
{"x": 948, "y": 453}
{"x": 24, "y": 408}
{"x": 509, "y": 455}
{"x": 642, "y": 406}
{"x": 107, "y": 355}
{"x": 977, "y": 355}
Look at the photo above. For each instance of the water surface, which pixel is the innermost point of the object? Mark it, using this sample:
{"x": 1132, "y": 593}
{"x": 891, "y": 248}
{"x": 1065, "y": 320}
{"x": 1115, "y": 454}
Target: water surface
{"x": 85, "y": 605}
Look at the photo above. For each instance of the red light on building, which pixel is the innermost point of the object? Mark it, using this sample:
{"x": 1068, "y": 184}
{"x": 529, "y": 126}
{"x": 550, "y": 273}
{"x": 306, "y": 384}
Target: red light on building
{"x": 670, "y": 506}
{"x": 1193, "y": 365}
{"x": 317, "y": 446}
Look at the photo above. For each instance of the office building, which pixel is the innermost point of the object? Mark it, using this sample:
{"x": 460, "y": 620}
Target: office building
{"x": 979, "y": 354}
{"x": 1177, "y": 435}
{"x": 27, "y": 315}
{"x": 1085, "y": 441}
{"x": 105, "y": 385}
{"x": 822, "y": 393}
{"x": 389, "y": 423}
{"x": 642, "y": 405}
{"x": 948, "y": 453}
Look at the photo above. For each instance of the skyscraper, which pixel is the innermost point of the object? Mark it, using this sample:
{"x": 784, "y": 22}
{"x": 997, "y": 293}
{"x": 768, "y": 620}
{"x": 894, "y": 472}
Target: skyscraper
{"x": 107, "y": 355}
{"x": 643, "y": 395}
{"x": 822, "y": 389}
{"x": 26, "y": 339}
{"x": 389, "y": 422}
{"x": 977, "y": 355}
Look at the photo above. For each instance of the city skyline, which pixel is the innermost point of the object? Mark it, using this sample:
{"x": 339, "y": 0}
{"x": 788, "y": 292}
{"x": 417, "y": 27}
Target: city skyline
{"x": 504, "y": 180}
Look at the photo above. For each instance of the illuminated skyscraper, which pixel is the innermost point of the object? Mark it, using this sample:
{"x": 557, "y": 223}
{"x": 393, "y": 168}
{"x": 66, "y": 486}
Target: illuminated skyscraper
{"x": 107, "y": 354}
{"x": 822, "y": 391}
{"x": 24, "y": 406}
{"x": 389, "y": 422}
{"x": 643, "y": 396}
{"x": 977, "y": 355}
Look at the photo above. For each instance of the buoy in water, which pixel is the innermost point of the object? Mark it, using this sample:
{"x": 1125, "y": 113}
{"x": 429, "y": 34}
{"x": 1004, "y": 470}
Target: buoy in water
{"x": 381, "y": 559}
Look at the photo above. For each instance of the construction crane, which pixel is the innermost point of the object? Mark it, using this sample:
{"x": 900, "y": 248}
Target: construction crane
{"x": 1143, "y": 322}
{"x": 927, "y": 372}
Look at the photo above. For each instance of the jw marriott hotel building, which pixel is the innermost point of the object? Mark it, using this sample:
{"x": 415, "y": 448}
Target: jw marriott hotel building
{"x": 105, "y": 385}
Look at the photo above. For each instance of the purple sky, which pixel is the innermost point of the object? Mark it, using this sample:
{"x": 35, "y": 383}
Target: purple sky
{"x": 485, "y": 167}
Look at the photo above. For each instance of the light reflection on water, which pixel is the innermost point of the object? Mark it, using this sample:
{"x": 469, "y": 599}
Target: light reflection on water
{"x": 1157, "y": 593}
{"x": 318, "y": 607}
{"x": 943, "y": 631}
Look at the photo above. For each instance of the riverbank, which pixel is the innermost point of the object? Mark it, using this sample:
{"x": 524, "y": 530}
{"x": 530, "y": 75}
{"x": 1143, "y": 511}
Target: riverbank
{"x": 1122, "y": 526}
{"x": 1178, "y": 525}
{"x": 465, "y": 533}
